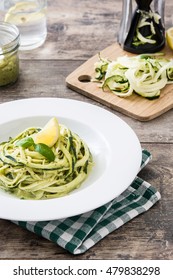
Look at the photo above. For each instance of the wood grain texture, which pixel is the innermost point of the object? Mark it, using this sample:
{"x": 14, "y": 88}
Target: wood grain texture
{"x": 80, "y": 29}
{"x": 148, "y": 236}
{"x": 77, "y": 30}
{"x": 47, "y": 79}
{"x": 134, "y": 106}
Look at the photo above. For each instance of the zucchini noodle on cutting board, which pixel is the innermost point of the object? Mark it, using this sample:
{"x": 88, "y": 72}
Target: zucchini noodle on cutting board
{"x": 28, "y": 174}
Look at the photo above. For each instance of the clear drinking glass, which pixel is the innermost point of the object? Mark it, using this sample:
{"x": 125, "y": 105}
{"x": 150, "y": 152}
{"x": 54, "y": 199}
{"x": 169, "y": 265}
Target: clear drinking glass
{"x": 30, "y": 18}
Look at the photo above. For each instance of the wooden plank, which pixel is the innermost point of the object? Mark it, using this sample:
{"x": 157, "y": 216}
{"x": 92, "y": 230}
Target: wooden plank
{"x": 48, "y": 80}
{"x": 148, "y": 236}
{"x": 79, "y": 29}
{"x": 134, "y": 106}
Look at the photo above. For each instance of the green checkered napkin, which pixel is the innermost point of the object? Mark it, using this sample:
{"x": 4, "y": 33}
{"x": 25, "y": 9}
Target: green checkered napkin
{"x": 79, "y": 233}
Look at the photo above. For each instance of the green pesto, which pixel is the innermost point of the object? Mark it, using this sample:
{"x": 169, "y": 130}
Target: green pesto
{"x": 9, "y": 69}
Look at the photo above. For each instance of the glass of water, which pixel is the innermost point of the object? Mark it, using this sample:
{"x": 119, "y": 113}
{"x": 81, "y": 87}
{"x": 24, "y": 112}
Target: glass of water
{"x": 30, "y": 18}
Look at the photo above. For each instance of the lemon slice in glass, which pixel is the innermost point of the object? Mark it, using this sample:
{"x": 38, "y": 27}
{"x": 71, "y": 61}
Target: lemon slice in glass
{"x": 23, "y": 12}
{"x": 169, "y": 37}
{"x": 49, "y": 133}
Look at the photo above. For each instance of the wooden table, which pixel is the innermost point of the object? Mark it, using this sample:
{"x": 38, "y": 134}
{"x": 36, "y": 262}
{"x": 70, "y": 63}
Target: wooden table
{"x": 76, "y": 31}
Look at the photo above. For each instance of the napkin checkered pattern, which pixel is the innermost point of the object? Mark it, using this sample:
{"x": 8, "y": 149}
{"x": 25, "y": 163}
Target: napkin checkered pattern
{"x": 79, "y": 233}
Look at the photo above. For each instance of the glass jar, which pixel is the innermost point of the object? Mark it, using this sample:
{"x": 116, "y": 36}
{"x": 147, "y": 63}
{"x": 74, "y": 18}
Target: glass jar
{"x": 9, "y": 60}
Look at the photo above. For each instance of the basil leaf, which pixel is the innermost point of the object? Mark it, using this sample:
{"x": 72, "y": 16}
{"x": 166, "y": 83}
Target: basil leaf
{"x": 41, "y": 148}
{"x": 25, "y": 143}
{"x": 45, "y": 151}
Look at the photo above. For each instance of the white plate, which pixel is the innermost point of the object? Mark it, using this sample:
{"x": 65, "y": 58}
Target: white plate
{"x": 114, "y": 145}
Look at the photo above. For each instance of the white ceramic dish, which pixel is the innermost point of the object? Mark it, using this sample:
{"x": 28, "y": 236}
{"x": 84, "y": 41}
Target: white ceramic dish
{"x": 115, "y": 147}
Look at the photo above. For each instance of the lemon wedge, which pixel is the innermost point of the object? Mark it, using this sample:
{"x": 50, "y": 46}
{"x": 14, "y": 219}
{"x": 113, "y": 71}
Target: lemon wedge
{"x": 169, "y": 37}
{"x": 49, "y": 133}
{"x": 23, "y": 12}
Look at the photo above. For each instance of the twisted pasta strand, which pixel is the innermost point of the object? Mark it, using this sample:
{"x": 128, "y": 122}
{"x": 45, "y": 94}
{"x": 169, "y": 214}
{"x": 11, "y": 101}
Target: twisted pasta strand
{"x": 29, "y": 175}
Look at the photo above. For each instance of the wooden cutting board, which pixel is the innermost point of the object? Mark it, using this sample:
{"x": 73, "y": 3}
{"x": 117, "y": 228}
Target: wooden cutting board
{"x": 134, "y": 106}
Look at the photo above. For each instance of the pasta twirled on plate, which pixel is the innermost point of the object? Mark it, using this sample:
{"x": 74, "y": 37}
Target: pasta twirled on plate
{"x": 27, "y": 171}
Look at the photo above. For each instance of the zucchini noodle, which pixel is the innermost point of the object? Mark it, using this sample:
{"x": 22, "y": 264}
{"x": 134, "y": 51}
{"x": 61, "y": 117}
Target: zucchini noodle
{"x": 144, "y": 75}
{"x": 147, "y": 19}
{"x": 29, "y": 175}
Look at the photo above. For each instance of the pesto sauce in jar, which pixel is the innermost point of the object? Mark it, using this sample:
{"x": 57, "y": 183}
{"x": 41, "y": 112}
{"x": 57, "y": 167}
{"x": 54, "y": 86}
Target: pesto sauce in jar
{"x": 9, "y": 61}
{"x": 9, "y": 70}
